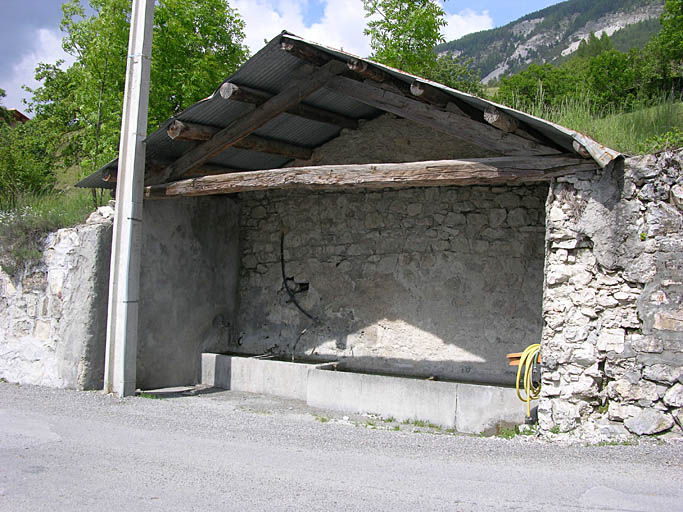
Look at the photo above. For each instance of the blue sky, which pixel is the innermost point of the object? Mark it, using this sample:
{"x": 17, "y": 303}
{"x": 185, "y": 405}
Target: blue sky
{"x": 31, "y": 33}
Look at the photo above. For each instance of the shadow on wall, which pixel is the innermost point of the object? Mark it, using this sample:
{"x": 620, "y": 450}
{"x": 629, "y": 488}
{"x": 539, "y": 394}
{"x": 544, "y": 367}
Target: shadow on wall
{"x": 427, "y": 281}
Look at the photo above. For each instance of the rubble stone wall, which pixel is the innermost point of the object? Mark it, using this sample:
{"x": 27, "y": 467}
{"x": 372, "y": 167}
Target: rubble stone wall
{"x": 53, "y": 317}
{"x": 440, "y": 281}
{"x": 612, "y": 349}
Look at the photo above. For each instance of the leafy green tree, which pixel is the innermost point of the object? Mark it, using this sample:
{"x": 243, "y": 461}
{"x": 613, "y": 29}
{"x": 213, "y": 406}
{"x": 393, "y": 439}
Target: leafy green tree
{"x": 458, "y": 74}
{"x": 671, "y": 35}
{"x": 541, "y": 85}
{"x": 612, "y": 79}
{"x": 403, "y": 33}
{"x": 594, "y": 46}
{"x": 196, "y": 44}
{"x": 26, "y": 160}
{"x": 4, "y": 113}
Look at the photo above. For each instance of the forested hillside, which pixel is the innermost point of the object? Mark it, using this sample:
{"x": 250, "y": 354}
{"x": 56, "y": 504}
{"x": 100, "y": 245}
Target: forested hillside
{"x": 552, "y": 33}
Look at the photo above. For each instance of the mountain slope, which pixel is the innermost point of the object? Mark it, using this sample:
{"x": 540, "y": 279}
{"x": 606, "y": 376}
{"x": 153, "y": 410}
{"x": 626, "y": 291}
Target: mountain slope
{"x": 555, "y": 32}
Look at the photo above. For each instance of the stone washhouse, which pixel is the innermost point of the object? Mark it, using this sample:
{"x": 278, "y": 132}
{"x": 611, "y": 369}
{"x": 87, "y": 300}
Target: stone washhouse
{"x": 323, "y": 208}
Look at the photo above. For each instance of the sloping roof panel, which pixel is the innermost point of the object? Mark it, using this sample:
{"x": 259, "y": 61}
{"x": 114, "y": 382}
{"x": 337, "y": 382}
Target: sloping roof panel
{"x": 272, "y": 70}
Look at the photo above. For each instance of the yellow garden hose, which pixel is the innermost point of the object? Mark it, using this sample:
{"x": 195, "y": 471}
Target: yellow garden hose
{"x": 529, "y": 358}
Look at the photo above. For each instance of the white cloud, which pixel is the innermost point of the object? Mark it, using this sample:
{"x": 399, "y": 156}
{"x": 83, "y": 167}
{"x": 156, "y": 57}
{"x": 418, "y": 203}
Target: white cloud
{"x": 48, "y": 48}
{"x": 341, "y": 25}
{"x": 466, "y": 22}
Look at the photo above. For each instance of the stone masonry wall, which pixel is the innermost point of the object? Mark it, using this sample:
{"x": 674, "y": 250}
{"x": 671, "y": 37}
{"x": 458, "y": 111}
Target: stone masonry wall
{"x": 53, "y": 318}
{"x": 612, "y": 350}
{"x": 439, "y": 281}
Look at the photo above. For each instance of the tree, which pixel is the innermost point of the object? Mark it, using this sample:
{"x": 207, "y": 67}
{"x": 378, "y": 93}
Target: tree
{"x": 196, "y": 44}
{"x": 594, "y": 46}
{"x": 4, "y": 113}
{"x": 458, "y": 74}
{"x": 671, "y": 35}
{"x": 403, "y": 33}
{"x": 539, "y": 85}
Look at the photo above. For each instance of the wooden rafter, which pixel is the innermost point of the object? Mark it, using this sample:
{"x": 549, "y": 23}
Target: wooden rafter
{"x": 253, "y": 96}
{"x": 439, "y": 119}
{"x": 503, "y": 170}
{"x": 244, "y": 126}
{"x": 182, "y": 130}
{"x": 422, "y": 92}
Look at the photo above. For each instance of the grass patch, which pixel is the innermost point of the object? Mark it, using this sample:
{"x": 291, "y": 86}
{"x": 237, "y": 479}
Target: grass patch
{"x": 150, "y": 396}
{"x": 322, "y": 419}
{"x": 627, "y": 442}
{"x": 397, "y": 428}
{"x": 652, "y": 127}
{"x": 390, "y": 419}
{"x": 24, "y": 227}
{"x": 555, "y": 429}
{"x": 508, "y": 432}
{"x": 422, "y": 424}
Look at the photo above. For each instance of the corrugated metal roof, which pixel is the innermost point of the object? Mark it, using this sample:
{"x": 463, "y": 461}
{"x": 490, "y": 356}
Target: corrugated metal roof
{"x": 271, "y": 70}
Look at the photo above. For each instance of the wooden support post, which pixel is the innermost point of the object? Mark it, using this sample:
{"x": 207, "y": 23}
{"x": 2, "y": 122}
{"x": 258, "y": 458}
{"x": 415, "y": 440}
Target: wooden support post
{"x": 243, "y": 127}
{"x": 501, "y": 170}
{"x": 122, "y": 318}
{"x": 230, "y": 91}
{"x": 182, "y": 130}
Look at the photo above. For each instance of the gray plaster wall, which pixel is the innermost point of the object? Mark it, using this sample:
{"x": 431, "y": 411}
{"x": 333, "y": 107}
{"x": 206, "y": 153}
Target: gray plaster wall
{"x": 188, "y": 287}
{"x": 612, "y": 346}
{"x": 437, "y": 281}
{"x": 53, "y": 321}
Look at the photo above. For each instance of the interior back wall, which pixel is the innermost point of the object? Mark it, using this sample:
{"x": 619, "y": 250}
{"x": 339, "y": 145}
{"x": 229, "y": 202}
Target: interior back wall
{"x": 439, "y": 281}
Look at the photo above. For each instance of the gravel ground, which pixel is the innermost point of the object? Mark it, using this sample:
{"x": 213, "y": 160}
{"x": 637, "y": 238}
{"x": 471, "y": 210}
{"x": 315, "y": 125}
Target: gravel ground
{"x": 223, "y": 450}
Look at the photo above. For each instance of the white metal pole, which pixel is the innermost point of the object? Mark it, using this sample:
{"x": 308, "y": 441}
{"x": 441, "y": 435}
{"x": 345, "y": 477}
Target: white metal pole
{"x": 124, "y": 284}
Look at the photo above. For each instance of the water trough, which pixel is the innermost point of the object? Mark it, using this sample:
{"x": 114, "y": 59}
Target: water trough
{"x": 466, "y": 407}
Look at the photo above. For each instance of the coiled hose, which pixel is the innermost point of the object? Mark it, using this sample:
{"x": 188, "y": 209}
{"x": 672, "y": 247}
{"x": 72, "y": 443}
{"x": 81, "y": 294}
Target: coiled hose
{"x": 529, "y": 358}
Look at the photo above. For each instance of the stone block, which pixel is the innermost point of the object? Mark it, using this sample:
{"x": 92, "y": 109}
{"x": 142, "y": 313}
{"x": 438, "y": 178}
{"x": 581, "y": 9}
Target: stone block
{"x": 662, "y": 373}
{"x": 648, "y": 421}
{"x": 648, "y": 344}
{"x": 669, "y": 321}
{"x": 611, "y": 340}
{"x": 626, "y": 391}
{"x": 674, "y": 396}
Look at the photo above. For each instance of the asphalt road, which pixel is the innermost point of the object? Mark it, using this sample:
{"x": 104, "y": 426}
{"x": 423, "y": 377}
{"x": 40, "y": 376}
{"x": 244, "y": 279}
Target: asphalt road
{"x": 65, "y": 450}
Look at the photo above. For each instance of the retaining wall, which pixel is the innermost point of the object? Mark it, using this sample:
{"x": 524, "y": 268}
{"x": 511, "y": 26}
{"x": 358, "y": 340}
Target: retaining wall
{"x": 53, "y": 320}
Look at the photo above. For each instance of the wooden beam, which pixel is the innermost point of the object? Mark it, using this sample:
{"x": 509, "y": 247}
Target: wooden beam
{"x": 439, "y": 119}
{"x": 230, "y": 91}
{"x": 500, "y": 120}
{"x": 503, "y": 170}
{"x": 240, "y": 128}
{"x": 182, "y": 130}
{"x": 417, "y": 89}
